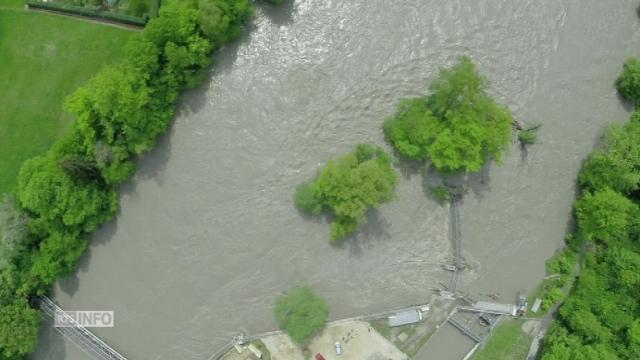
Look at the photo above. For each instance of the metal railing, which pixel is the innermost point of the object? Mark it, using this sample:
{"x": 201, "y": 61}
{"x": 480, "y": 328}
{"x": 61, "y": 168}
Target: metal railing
{"x": 78, "y": 334}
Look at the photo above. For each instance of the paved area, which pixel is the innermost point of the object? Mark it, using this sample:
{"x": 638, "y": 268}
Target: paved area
{"x": 282, "y": 348}
{"x": 358, "y": 339}
{"x": 359, "y": 342}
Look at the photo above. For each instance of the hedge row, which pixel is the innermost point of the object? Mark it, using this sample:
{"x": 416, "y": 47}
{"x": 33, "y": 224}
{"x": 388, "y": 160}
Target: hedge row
{"x": 94, "y": 13}
{"x": 65, "y": 194}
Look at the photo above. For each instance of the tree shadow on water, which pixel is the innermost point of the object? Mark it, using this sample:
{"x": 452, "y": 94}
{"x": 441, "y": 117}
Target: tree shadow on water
{"x": 194, "y": 100}
{"x": 627, "y": 105}
{"x": 479, "y": 182}
{"x": 408, "y": 167}
{"x": 51, "y": 344}
{"x": 281, "y": 15}
{"x": 375, "y": 229}
{"x": 150, "y": 165}
{"x": 70, "y": 284}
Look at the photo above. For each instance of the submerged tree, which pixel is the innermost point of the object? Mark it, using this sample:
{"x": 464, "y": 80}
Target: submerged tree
{"x": 301, "y": 313}
{"x": 529, "y": 136}
{"x": 628, "y": 83}
{"x": 458, "y": 127}
{"x": 347, "y": 187}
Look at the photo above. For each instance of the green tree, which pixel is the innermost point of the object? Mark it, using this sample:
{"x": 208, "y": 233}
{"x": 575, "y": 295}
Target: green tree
{"x": 604, "y": 215}
{"x": 301, "y": 313}
{"x": 629, "y": 81}
{"x": 458, "y": 127}
{"x": 14, "y": 229}
{"x": 58, "y": 256}
{"x": 55, "y": 199}
{"x": 617, "y": 165}
{"x": 18, "y": 329}
{"x": 348, "y": 187}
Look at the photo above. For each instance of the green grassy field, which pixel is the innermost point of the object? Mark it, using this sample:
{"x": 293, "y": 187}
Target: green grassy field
{"x": 508, "y": 342}
{"x": 43, "y": 58}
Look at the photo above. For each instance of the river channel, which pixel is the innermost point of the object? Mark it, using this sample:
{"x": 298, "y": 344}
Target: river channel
{"x": 207, "y": 235}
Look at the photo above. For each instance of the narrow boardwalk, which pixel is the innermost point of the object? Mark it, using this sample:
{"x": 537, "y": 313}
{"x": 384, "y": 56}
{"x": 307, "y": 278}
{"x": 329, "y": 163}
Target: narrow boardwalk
{"x": 79, "y": 335}
{"x": 456, "y": 235}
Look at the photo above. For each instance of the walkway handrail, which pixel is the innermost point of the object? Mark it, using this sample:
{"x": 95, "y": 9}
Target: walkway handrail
{"x": 78, "y": 334}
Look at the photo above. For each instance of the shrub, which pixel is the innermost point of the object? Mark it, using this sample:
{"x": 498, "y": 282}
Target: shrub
{"x": 306, "y": 201}
{"x": 138, "y": 7}
{"x": 551, "y": 297}
{"x": 14, "y": 229}
{"x": 529, "y": 136}
{"x": 628, "y": 83}
{"x": 348, "y": 187}
{"x": 562, "y": 262}
{"x": 458, "y": 127}
{"x": 301, "y": 313}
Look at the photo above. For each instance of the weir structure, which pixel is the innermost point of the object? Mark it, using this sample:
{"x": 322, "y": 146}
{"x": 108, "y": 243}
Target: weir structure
{"x": 78, "y": 334}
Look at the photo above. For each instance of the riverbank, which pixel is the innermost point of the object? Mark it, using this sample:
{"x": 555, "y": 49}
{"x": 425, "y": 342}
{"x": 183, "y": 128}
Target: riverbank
{"x": 306, "y": 85}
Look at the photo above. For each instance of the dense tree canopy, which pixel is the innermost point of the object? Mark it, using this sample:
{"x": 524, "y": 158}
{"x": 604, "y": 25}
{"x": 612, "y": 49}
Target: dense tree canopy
{"x": 617, "y": 165}
{"x": 349, "y": 186}
{"x": 600, "y": 320}
{"x": 604, "y": 215}
{"x": 19, "y": 325}
{"x": 458, "y": 127}
{"x": 301, "y": 313}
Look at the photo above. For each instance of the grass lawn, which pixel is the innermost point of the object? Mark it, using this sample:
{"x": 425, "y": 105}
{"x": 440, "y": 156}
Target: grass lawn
{"x": 508, "y": 342}
{"x": 43, "y": 58}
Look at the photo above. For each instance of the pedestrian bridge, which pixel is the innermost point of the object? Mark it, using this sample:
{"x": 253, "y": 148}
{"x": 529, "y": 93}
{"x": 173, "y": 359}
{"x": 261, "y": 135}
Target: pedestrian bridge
{"x": 78, "y": 334}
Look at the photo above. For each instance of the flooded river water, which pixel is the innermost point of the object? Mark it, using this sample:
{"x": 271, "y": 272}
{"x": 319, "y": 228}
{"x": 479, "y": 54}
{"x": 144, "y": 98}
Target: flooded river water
{"x": 208, "y": 236}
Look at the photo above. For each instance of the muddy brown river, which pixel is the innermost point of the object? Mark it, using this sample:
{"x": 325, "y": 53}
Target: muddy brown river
{"x": 207, "y": 236}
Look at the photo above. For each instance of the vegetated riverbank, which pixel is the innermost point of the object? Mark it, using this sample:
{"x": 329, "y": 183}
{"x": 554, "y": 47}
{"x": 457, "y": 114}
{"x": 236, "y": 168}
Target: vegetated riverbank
{"x": 64, "y": 195}
{"x": 303, "y": 88}
{"x": 43, "y": 59}
{"x": 600, "y": 318}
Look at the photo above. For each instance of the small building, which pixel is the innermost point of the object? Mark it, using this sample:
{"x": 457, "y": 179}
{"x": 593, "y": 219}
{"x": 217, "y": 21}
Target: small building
{"x": 405, "y": 318}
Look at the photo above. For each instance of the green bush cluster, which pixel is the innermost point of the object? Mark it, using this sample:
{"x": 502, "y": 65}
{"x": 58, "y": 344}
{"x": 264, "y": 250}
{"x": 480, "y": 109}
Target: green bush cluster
{"x": 65, "y": 194}
{"x": 600, "y": 319}
{"x": 458, "y": 127}
{"x": 301, "y": 313}
{"x": 348, "y": 187}
{"x": 529, "y": 136}
{"x": 629, "y": 81}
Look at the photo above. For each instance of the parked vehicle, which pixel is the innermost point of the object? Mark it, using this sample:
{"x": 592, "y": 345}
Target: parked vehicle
{"x": 319, "y": 357}
{"x": 338, "y": 348}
